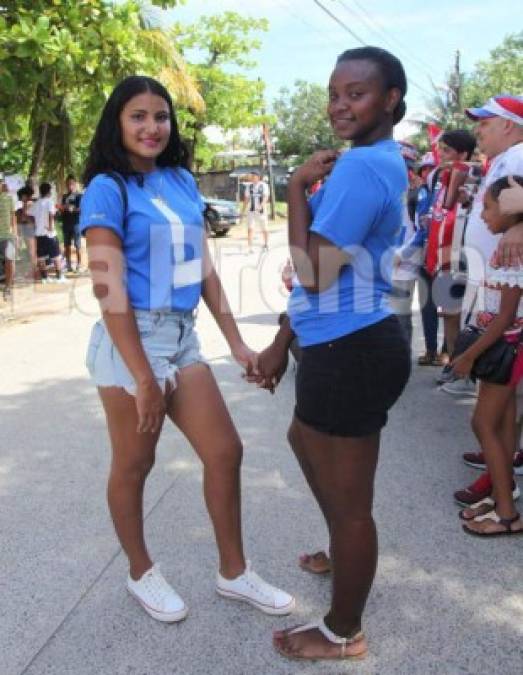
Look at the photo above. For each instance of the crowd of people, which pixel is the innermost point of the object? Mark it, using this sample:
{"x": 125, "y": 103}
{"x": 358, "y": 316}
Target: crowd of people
{"x": 29, "y": 220}
{"x": 452, "y": 254}
{"x": 356, "y": 259}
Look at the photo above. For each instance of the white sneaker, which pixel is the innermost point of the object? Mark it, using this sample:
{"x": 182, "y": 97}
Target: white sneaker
{"x": 157, "y": 597}
{"x": 251, "y": 588}
{"x": 60, "y": 280}
{"x": 461, "y": 387}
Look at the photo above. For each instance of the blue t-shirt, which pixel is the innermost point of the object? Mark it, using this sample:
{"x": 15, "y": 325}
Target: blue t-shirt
{"x": 360, "y": 210}
{"x": 163, "y": 237}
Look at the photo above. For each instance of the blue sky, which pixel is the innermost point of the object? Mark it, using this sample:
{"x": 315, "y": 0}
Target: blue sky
{"x": 303, "y": 41}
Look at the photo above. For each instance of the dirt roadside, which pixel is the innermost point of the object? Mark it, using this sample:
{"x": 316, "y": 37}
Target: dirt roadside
{"x": 32, "y": 301}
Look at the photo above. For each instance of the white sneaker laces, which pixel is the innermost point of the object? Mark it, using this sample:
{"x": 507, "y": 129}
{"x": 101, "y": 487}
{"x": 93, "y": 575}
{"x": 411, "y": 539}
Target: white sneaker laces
{"x": 155, "y": 584}
{"x": 257, "y": 584}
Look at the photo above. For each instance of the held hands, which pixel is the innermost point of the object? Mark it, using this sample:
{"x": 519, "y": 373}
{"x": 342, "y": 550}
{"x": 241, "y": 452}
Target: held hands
{"x": 319, "y": 165}
{"x": 272, "y": 364}
{"x": 247, "y": 359}
{"x": 150, "y": 405}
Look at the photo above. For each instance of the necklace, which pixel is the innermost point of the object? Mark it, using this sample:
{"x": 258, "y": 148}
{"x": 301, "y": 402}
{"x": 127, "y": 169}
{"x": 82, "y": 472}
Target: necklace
{"x": 155, "y": 190}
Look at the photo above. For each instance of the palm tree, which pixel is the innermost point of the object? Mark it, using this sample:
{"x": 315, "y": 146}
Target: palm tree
{"x": 52, "y": 126}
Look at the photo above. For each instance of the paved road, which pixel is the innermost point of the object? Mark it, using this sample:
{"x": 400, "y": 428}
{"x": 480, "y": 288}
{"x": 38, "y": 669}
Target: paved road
{"x": 442, "y": 602}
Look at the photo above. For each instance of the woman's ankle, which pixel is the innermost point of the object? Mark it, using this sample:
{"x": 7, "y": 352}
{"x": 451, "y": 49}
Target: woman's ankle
{"x": 342, "y": 628}
{"x": 139, "y": 567}
{"x": 232, "y": 569}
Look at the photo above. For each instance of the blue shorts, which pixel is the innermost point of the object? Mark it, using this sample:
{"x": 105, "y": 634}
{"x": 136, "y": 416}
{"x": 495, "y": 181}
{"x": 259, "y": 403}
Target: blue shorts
{"x": 169, "y": 341}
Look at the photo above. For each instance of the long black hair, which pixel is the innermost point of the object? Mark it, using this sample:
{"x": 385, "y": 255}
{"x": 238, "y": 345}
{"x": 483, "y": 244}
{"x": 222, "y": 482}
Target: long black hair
{"x": 106, "y": 152}
{"x": 390, "y": 68}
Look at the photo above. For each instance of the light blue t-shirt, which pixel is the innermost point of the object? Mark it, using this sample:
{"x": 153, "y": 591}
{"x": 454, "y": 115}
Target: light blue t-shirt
{"x": 360, "y": 210}
{"x": 162, "y": 239}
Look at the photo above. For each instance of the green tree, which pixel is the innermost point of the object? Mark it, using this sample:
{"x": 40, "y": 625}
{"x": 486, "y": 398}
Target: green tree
{"x": 501, "y": 73}
{"x": 58, "y": 62}
{"x": 232, "y": 101}
{"x": 302, "y": 125}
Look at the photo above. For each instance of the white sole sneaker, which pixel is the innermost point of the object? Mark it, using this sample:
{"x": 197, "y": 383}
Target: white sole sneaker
{"x": 266, "y": 609}
{"x": 166, "y": 617}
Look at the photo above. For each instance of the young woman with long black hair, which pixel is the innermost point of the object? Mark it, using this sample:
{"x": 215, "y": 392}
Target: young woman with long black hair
{"x": 143, "y": 219}
{"x": 355, "y": 359}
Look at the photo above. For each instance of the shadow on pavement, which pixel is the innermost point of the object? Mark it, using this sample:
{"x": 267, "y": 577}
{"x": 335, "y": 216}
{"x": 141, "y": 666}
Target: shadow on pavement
{"x": 442, "y": 603}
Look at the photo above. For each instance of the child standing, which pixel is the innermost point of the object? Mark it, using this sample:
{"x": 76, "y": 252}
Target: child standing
{"x": 494, "y": 417}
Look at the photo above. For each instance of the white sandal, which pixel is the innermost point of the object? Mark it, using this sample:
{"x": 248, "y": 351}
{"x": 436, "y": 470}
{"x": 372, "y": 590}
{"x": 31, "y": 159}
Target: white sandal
{"x": 331, "y": 637}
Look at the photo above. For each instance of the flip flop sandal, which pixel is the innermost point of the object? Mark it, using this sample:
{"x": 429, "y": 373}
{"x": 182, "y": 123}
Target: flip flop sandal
{"x": 426, "y": 359}
{"x": 487, "y": 502}
{"x": 493, "y": 516}
{"x": 440, "y": 360}
{"x": 331, "y": 637}
{"x": 305, "y": 562}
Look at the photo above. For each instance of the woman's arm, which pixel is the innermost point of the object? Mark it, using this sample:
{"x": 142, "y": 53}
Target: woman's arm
{"x": 316, "y": 260}
{"x": 462, "y": 365}
{"x": 216, "y": 300}
{"x": 106, "y": 263}
{"x": 272, "y": 361}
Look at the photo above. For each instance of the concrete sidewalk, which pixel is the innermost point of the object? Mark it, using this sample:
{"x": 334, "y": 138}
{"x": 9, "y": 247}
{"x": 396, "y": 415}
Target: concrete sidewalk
{"x": 442, "y": 602}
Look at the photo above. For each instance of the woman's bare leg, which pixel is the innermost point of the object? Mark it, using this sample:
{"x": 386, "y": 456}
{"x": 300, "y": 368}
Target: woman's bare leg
{"x": 343, "y": 470}
{"x": 132, "y": 459}
{"x": 495, "y": 408}
{"x": 198, "y": 409}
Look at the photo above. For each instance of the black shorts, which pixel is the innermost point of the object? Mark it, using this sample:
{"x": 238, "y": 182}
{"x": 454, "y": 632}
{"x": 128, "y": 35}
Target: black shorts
{"x": 47, "y": 247}
{"x": 346, "y": 387}
{"x": 72, "y": 235}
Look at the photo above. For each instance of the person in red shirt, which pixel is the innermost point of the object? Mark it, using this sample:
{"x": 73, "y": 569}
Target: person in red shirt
{"x": 442, "y": 262}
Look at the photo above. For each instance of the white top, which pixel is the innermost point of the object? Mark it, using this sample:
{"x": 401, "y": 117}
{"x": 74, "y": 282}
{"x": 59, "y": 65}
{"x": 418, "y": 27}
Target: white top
{"x": 495, "y": 279}
{"x": 41, "y": 209}
{"x": 477, "y": 235}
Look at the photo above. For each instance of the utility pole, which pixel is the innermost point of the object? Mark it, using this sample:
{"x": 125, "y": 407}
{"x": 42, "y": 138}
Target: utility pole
{"x": 456, "y": 84}
{"x": 267, "y": 143}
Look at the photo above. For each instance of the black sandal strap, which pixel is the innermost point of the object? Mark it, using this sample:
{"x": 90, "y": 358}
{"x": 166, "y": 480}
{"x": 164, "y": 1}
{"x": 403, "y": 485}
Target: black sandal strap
{"x": 507, "y": 522}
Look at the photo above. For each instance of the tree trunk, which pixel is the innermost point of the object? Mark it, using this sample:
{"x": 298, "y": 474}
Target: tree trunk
{"x": 38, "y": 153}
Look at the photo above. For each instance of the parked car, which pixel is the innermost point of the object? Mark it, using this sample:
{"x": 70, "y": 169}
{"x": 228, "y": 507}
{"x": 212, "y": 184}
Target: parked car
{"x": 220, "y": 215}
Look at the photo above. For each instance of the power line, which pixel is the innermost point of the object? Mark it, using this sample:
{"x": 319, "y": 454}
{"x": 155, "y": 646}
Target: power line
{"x": 341, "y": 23}
{"x": 300, "y": 18}
{"x": 389, "y": 43}
{"x": 390, "y": 37}
{"x": 364, "y": 43}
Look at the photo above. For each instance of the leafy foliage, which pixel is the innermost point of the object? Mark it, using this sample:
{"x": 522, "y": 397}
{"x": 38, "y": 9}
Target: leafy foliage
{"x": 302, "y": 125}
{"x": 232, "y": 101}
{"x": 501, "y": 73}
{"x": 59, "y": 61}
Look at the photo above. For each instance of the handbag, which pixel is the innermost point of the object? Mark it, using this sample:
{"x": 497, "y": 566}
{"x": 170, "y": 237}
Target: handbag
{"x": 494, "y": 365}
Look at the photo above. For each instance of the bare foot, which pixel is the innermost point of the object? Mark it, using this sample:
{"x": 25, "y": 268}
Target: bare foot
{"x": 312, "y": 644}
{"x": 316, "y": 563}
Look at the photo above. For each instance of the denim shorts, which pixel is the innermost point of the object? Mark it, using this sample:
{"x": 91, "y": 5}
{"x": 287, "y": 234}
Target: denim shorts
{"x": 347, "y": 386}
{"x": 168, "y": 339}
